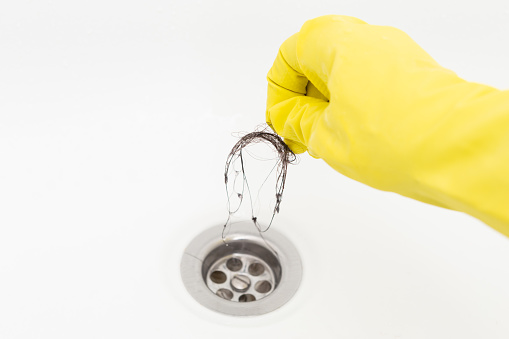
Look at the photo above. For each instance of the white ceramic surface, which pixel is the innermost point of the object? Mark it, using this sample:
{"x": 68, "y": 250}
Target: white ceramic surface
{"x": 115, "y": 121}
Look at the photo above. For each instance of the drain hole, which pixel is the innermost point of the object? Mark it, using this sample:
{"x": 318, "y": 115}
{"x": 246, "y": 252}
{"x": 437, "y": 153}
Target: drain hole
{"x": 234, "y": 264}
{"x": 224, "y": 293}
{"x": 218, "y": 277}
{"x": 246, "y": 298}
{"x": 245, "y": 269}
{"x": 256, "y": 269}
{"x": 263, "y": 286}
{"x": 240, "y": 283}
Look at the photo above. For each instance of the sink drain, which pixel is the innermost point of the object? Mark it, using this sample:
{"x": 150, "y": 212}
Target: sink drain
{"x": 250, "y": 276}
{"x": 240, "y": 276}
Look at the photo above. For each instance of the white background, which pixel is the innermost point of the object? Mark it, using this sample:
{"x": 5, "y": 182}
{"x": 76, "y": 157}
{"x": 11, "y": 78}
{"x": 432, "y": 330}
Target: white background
{"x": 115, "y": 121}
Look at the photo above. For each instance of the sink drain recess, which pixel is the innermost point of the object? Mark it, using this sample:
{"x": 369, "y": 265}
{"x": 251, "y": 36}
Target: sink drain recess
{"x": 244, "y": 278}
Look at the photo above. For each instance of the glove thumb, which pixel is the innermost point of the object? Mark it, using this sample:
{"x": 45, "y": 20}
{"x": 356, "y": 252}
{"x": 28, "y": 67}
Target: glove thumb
{"x": 294, "y": 120}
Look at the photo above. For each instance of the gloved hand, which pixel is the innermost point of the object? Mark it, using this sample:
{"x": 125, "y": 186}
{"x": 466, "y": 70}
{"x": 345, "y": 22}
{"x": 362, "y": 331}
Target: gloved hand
{"x": 378, "y": 109}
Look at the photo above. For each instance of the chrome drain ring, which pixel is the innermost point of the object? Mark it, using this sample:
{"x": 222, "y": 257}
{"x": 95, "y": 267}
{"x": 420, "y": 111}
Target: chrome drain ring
{"x": 250, "y": 276}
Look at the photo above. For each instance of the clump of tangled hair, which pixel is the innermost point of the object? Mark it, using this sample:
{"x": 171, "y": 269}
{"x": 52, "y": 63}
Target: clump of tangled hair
{"x": 285, "y": 156}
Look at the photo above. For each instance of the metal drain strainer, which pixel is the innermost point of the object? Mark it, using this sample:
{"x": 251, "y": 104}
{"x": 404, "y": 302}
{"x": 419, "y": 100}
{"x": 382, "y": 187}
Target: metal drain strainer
{"x": 243, "y": 277}
{"x": 250, "y": 276}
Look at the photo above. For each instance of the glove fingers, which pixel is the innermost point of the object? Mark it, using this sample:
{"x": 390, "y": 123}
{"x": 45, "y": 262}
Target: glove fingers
{"x": 312, "y": 91}
{"x": 294, "y": 118}
{"x": 285, "y": 78}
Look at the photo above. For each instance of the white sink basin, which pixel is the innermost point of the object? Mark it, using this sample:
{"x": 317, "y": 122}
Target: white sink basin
{"x": 115, "y": 122}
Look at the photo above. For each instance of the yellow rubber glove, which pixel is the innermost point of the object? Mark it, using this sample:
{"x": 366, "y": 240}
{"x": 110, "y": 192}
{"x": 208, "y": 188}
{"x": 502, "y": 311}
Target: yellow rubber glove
{"x": 378, "y": 109}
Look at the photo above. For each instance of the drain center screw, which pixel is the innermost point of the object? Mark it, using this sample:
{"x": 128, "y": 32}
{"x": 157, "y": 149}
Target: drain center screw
{"x": 240, "y": 283}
